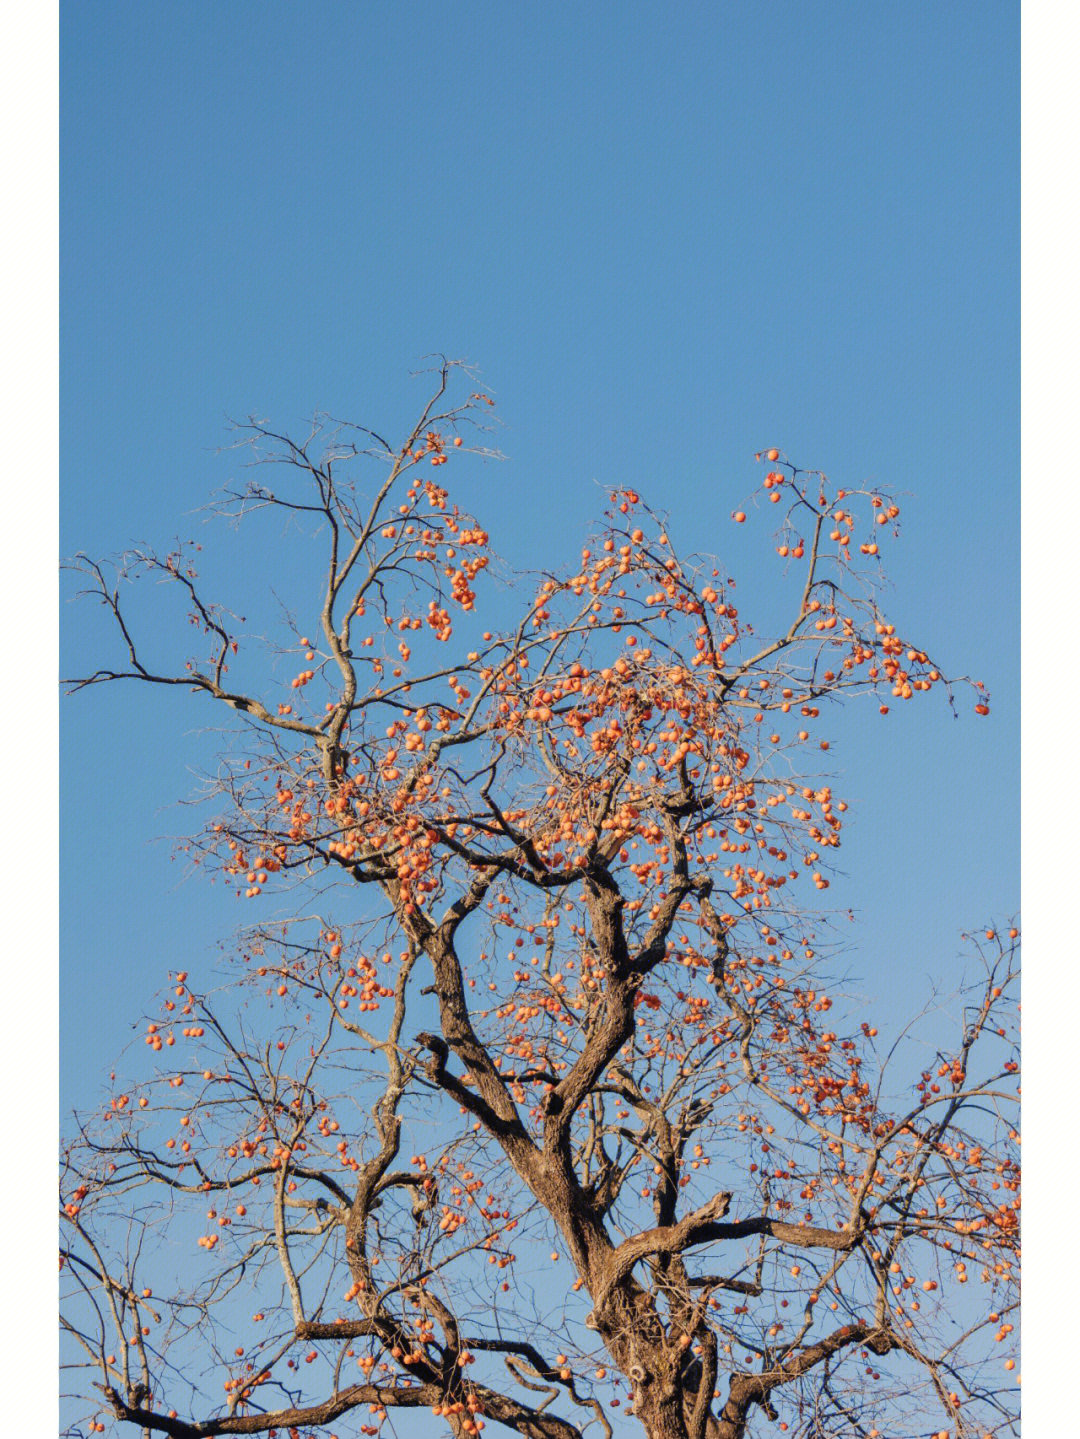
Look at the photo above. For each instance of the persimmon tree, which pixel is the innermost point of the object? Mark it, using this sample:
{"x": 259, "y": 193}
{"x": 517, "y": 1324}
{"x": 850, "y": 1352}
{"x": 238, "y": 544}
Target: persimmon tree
{"x": 533, "y": 1105}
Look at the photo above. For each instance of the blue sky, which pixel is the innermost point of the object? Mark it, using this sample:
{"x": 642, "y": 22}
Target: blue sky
{"x": 667, "y": 237}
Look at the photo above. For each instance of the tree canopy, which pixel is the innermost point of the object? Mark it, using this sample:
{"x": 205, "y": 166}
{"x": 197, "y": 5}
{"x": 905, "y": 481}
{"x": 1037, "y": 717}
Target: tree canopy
{"x": 535, "y": 1104}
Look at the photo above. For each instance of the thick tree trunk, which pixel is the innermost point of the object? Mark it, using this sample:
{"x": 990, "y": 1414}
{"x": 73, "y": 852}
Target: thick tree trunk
{"x": 655, "y": 1367}
{"x": 667, "y": 1412}
{"x": 660, "y": 1418}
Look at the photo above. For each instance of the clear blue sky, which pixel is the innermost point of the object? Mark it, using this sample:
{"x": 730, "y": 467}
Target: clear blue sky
{"x": 668, "y": 236}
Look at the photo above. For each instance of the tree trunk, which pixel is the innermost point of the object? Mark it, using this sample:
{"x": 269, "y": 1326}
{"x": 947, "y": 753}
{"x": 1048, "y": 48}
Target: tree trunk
{"x": 661, "y": 1418}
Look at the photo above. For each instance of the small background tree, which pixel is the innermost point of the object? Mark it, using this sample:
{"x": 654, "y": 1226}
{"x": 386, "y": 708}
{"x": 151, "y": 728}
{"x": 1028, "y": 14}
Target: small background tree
{"x": 536, "y": 1104}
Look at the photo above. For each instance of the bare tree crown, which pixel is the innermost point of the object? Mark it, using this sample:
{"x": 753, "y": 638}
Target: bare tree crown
{"x": 536, "y": 1110}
